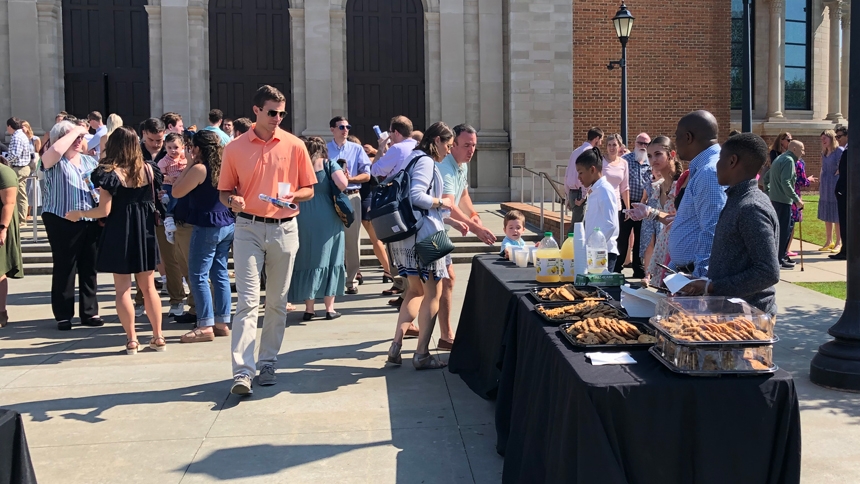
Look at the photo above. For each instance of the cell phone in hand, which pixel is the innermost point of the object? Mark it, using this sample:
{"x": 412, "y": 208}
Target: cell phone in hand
{"x": 341, "y": 162}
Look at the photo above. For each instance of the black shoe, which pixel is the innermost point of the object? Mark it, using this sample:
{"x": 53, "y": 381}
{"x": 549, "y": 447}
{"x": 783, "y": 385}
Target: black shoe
{"x": 186, "y": 318}
{"x": 158, "y": 283}
{"x": 352, "y": 290}
{"x": 64, "y": 325}
{"x": 396, "y": 302}
{"x": 788, "y": 259}
{"x": 786, "y": 265}
{"x": 360, "y": 279}
{"x": 93, "y": 322}
{"x": 838, "y": 256}
{"x": 789, "y": 262}
{"x": 638, "y": 275}
{"x": 332, "y": 315}
{"x": 308, "y": 316}
{"x": 386, "y": 279}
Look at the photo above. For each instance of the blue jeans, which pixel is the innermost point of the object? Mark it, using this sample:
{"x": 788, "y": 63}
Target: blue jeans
{"x": 207, "y": 259}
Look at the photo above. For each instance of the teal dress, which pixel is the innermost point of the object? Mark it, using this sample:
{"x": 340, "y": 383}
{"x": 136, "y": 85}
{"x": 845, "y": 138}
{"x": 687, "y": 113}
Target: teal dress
{"x": 319, "y": 268}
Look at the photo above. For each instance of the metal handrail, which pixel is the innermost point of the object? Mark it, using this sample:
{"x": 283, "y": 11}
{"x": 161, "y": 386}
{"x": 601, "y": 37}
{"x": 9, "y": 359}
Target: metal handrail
{"x": 561, "y": 193}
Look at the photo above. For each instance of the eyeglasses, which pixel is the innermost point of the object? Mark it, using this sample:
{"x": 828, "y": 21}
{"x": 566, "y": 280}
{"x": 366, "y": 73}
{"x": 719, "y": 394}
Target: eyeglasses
{"x": 789, "y": 139}
{"x": 277, "y": 114}
{"x": 642, "y": 143}
{"x": 344, "y": 127}
{"x": 838, "y": 136}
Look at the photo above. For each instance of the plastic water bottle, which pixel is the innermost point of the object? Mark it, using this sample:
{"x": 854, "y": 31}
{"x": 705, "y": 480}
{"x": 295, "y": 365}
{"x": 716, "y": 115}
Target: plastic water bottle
{"x": 280, "y": 203}
{"x": 547, "y": 258}
{"x": 93, "y": 191}
{"x": 597, "y": 253}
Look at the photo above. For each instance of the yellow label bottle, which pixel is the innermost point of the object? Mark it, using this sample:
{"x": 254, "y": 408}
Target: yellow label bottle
{"x": 547, "y": 260}
{"x": 566, "y": 271}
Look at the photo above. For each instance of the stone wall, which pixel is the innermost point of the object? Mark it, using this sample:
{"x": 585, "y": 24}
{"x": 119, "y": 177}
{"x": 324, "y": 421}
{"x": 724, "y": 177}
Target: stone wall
{"x": 677, "y": 62}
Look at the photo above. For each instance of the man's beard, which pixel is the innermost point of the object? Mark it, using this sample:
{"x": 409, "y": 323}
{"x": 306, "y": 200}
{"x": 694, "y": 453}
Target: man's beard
{"x": 641, "y": 155}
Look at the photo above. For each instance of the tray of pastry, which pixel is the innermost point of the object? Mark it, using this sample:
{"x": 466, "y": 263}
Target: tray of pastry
{"x": 557, "y": 313}
{"x": 569, "y": 293}
{"x": 714, "y": 361}
{"x": 711, "y": 330}
{"x": 608, "y": 333}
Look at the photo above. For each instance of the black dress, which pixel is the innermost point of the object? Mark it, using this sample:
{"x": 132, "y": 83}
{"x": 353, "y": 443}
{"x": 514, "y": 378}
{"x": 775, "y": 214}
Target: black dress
{"x": 127, "y": 244}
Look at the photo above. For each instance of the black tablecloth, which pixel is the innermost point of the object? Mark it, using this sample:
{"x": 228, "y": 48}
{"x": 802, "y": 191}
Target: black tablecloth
{"x": 15, "y": 464}
{"x": 571, "y": 421}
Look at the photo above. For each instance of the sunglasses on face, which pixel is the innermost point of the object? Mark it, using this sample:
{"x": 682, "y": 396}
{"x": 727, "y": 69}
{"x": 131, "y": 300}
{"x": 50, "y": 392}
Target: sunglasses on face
{"x": 343, "y": 127}
{"x": 642, "y": 143}
{"x": 277, "y": 114}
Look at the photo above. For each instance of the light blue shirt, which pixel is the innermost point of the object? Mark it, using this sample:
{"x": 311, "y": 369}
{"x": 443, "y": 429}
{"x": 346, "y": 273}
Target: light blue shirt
{"x": 357, "y": 161}
{"x": 454, "y": 176}
{"x": 225, "y": 138}
{"x": 510, "y": 242}
{"x": 393, "y": 160}
{"x": 93, "y": 143}
{"x": 692, "y": 232}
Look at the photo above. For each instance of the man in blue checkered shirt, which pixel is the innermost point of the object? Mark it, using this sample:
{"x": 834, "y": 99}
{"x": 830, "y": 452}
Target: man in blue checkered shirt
{"x": 640, "y": 177}
{"x": 692, "y": 231}
{"x": 19, "y": 157}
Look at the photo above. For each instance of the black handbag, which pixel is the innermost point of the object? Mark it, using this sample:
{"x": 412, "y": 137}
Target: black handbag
{"x": 434, "y": 247}
{"x": 342, "y": 205}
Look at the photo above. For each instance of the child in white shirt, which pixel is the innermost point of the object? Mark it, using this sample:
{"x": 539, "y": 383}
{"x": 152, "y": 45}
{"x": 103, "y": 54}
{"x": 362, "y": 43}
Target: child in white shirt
{"x": 515, "y": 224}
{"x": 602, "y": 207}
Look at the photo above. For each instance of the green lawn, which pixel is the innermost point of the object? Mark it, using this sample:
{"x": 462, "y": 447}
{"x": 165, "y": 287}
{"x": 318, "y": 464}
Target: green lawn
{"x": 835, "y": 289}
{"x": 813, "y": 229}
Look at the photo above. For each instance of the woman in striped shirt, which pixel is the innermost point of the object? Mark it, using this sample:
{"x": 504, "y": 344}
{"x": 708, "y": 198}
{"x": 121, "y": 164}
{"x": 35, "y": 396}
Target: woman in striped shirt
{"x": 73, "y": 244}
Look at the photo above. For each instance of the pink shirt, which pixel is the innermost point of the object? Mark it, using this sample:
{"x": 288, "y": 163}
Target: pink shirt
{"x": 618, "y": 176}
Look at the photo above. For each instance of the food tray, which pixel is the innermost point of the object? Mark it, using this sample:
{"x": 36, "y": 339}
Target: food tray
{"x": 674, "y": 311}
{"x": 643, "y": 327}
{"x": 621, "y": 312}
{"x": 735, "y": 343}
{"x": 659, "y": 356}
{"x": 600, "y": 293}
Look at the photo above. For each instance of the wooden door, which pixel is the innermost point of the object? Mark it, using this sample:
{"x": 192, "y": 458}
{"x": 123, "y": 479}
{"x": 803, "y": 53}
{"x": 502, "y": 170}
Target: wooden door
{"x": 385, "y": 64}
{"x": 106, "y": 58}
{"x": 249, "y": 46}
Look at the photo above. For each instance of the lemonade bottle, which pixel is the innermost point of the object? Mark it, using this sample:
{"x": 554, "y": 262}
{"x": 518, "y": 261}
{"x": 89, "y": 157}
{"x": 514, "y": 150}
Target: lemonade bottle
{"x": 547, "y": 259}
{"x": 598, "y": 255}
{"x": 567, "y": 273}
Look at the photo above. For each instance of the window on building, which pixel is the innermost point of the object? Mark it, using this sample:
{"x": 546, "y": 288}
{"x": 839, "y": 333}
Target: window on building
{"x": 737, "y": 51}
{"x": 797, "y": 42}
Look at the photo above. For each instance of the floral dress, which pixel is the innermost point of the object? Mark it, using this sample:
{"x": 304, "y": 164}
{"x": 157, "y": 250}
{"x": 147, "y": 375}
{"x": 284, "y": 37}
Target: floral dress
{"x": 801, "y": 182}
{"x": 661, "y": 247}
{"x": 650, "y": 228}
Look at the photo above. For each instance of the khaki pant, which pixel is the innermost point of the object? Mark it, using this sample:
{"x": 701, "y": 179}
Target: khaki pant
{"x": 180, "y": 251}
{"x": 23, "y": 172}
{"x": 171, "y": 266}
{"x": 257, "y": 245}
{"x": 351, "y": 242}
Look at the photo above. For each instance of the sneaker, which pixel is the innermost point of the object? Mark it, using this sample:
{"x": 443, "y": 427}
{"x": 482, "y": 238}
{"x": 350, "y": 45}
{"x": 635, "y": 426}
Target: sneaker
{"x": 267, "y": 376}
{"x": 139, "y": 311}
{"x": 786, "y": 265}
{"x": 241, "y": 386}
{"x": 176, "y": 309}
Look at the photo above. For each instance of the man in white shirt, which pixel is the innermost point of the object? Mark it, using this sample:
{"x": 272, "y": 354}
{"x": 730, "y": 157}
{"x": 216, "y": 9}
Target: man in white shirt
{"x": 576, "y": 197}
{"x": 94, "y": 119}
{"x": 603, "y": 204}
{"x": 393, "y": 154}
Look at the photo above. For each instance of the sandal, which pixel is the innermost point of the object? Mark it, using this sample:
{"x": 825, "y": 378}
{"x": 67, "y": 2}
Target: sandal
{"x": 427, "y": 362}
{"x": 394, "y": 291}
{"x": 131, "y": 347}
{"x": 394, "y": 353}
{"x": 196, "y": 336}
{"x": 412, "y": 332}
{"x": 386, "y": 278}
{"x": 445, "y": 345}
{"x": 154, "y": 345}
{"x": 359, "y": 278}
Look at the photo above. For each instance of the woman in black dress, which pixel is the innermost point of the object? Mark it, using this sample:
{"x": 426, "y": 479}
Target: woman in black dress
{"x": 127, "y": 188}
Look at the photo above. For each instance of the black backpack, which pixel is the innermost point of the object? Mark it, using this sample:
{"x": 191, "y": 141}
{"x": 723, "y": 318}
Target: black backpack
{"x": 391, "y": 212}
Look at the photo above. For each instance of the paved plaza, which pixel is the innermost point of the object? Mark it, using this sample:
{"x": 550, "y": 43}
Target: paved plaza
{"x": 338, "y": 414}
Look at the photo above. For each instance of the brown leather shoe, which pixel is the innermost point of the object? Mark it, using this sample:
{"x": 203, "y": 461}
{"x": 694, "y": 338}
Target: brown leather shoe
{"x": 396, "y": 302}
{"x": 412, "y": 332}
{"x": 196, "y": 336}
{"x": 444, "y": 345}
{"x": 222, "y": 332}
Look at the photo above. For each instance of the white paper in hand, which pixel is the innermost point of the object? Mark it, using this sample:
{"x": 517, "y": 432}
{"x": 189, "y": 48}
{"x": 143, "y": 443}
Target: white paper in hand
{"x": 676, "y": 282}
{"x": 601, "y": 358}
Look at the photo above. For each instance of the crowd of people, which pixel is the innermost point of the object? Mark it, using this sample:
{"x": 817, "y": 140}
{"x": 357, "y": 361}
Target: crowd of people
{"x": 179, "y": 200}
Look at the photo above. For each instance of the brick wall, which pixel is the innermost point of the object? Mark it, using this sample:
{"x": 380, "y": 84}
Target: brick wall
{"x": 678, "y": 61}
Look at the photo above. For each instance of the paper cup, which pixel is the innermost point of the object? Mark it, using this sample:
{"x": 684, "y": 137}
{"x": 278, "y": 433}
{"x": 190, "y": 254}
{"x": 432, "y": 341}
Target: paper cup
{"x": 522, "y": 258}
{"x": 283, "y": 189}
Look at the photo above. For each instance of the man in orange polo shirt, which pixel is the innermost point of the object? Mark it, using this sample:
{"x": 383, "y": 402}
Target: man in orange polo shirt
{"x": 266, "y": 235}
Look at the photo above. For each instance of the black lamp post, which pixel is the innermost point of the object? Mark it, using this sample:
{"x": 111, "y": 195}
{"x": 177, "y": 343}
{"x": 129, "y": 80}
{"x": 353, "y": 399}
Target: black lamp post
{"x": 746, "y": 112}
{"x": 623, "y": 25}
{"x": 837, "y": 364}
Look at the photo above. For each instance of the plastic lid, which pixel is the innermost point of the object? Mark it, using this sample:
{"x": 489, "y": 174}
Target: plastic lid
{"x": 597, "y": 229}
{"x": 570, "y": 234}
{"x": 547, "y": 234}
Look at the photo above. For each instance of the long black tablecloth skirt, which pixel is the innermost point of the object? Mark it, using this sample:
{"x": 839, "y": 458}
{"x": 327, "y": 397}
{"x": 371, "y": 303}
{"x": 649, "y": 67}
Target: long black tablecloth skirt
{"x": 15, "y": 464}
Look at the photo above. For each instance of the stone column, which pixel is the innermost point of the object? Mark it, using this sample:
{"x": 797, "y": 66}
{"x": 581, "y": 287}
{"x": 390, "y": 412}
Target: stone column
{"x": 156, "y": 79}
{"x": 776, "y": 77}
{"x": 297, "y": 58}
{"x": 453, "y": 74}
{"x": 433, "y": 69}
{"x": 198, "y": 48}
{"x": 50, "y": 63}
{"x": 5, "y": 94}
{"x": 176, "y": 61}
{"x": 834, "y": 86}
{"x": 846, "y": 55}
{"x": 338, "y": 62}
{"x": 318, "y": 73}
{"x": 26, "y": 96}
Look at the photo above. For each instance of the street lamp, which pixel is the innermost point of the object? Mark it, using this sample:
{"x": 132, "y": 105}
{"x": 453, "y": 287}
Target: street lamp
{"x": 623, "y": 22}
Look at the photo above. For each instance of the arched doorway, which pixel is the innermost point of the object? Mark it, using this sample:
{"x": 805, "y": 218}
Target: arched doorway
{"x": 385, "y": 64}
{"x": 249, "y": 46}
{"x": 106, "y": 58}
